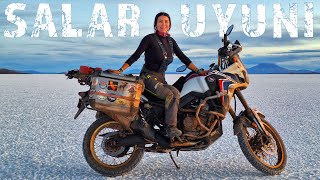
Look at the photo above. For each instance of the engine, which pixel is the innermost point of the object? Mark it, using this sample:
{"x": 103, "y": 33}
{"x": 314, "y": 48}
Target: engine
{"x": 189, "y": 123}
{"x": 191, "y": 126}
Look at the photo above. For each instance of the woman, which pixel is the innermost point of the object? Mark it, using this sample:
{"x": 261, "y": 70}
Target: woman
{"x": 159, "y": 49}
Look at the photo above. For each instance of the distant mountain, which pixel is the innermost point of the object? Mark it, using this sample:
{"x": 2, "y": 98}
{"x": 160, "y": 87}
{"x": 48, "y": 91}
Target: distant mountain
{"x": 30, "y": 72}
{"x": 269, "y": 68}
{"x": 37, "y": 72}
{"x": 303, "y": 71}
{"x": 8, "y": 71}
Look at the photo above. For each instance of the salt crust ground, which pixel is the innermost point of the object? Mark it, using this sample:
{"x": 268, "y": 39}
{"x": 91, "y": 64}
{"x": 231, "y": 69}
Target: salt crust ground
{"x": 40, "y": 140}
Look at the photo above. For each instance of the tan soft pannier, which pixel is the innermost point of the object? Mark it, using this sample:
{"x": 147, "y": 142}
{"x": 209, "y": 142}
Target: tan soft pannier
{"x": 116, "y": 95}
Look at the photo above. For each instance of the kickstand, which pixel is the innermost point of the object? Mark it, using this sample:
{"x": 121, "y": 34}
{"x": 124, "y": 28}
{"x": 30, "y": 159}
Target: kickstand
{"x": 174, "y": 161}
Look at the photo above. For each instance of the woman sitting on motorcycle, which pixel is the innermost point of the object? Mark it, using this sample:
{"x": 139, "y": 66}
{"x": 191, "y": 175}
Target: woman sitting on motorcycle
{"x": 159, "y": 49}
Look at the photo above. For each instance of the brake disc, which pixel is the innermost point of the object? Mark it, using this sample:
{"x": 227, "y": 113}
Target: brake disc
{"x": 109, "y": 146}
{"x": 270, "y": 148}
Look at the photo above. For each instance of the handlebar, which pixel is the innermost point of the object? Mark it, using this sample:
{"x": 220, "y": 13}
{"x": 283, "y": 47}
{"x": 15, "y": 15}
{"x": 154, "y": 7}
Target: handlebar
{"x": 225, "y": 51}
{"x": 235, "y": 51}
{"x": 225, "y": 41}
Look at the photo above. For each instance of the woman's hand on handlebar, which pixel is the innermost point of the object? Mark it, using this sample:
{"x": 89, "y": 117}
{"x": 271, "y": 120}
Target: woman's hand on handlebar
{"x": 203, "y": 72}
{"x": 119, "y": 71}
{"x": 114, "y": 71}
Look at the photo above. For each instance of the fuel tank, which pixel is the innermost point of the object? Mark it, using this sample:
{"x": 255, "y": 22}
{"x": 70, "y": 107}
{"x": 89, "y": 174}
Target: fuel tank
{"x": 196, "y": 84}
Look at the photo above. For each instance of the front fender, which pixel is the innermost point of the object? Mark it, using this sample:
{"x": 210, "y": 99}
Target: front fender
{"x": 243, "y": 120}
{"x": 260, "y": 114}
{"x": 239, "y": 122}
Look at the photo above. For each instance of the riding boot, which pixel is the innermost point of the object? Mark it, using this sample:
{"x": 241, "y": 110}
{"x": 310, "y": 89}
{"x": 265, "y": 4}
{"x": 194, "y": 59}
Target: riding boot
{"x": 173, "y": 132}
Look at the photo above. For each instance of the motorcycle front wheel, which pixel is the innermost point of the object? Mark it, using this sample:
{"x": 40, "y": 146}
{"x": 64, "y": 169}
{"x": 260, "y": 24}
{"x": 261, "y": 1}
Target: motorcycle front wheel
{"x": 266, "y": 154}
{"x": 103, "y": 155}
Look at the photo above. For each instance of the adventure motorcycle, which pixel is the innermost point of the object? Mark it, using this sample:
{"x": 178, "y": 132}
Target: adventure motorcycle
{"x": 129, "y": 120}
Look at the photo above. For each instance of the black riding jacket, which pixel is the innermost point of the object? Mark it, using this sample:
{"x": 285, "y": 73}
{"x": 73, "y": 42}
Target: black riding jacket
{"x": 153, "y": 54}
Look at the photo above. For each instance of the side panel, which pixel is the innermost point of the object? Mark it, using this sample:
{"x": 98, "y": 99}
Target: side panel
{"x": 196, "y": 84}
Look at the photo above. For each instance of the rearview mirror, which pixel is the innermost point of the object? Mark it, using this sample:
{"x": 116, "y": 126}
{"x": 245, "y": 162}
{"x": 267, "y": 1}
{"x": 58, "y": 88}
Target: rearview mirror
{"x": 229, "y": 30}
{"x": 181, "y": 68}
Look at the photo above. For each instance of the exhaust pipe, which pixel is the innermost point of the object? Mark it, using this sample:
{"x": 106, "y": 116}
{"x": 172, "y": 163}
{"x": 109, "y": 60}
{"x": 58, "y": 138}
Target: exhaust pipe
{"x": 144, "y": 134}
{"x": 131, "y": 140}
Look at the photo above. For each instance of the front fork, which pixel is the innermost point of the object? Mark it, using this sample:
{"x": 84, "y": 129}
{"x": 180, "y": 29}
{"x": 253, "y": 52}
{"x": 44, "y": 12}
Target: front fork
{"x": 252, "y": 115}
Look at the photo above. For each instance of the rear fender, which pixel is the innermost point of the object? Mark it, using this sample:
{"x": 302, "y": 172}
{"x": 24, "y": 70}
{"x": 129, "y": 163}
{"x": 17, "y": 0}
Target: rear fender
{"x": 82, "y": 104}
{"x": 101, "y": 115}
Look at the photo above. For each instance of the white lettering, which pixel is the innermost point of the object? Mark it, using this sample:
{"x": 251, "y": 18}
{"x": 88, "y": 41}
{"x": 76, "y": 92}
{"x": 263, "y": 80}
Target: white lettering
{"x": 44, "y": 10}
{"x": 22, "y": 25}
{"x": 123, "y": 21}
{"x": 223, "y": 19}
{"x": 67, "y": 30}
{"x": 185, "y": 21}
{"x": 291, "y": 25}
{"x": 246, "y": 20}
{"x": 99, "y": 10}
{"x": 308, "y": 21}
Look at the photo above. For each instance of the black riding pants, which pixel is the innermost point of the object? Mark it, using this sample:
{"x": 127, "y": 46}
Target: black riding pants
{"x": 156, "y": 84}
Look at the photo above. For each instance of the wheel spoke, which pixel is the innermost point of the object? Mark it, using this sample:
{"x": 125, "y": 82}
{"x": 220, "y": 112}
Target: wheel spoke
{"x": 267, "y": 154}
{"x": 105, "y": 152}
{"x": 114, "y": 161}
{"x": 102, "y": 151}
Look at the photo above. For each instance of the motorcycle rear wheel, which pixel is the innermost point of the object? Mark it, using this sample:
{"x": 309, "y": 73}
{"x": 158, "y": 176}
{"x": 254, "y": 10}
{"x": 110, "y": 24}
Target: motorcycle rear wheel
{"x": 269, "y": 158}
{"x": 103, "y": 156}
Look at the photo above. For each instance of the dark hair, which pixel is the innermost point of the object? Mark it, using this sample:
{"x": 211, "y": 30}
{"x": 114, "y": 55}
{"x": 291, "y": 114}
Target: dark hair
{"x": 156, "y": 19}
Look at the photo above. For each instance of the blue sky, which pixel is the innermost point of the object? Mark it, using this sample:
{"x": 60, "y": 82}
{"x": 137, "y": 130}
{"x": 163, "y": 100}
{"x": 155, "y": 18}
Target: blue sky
{"x": 59, "y": 54}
